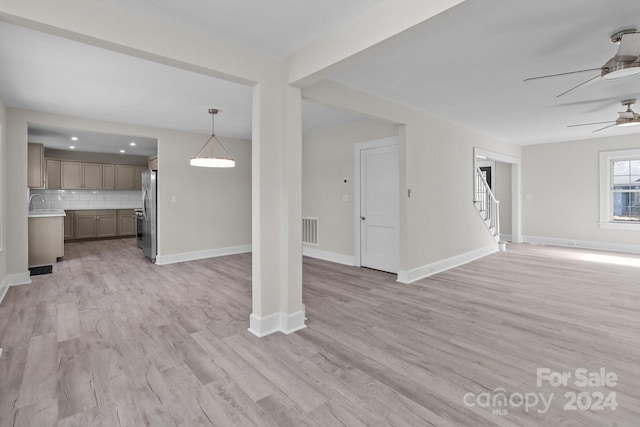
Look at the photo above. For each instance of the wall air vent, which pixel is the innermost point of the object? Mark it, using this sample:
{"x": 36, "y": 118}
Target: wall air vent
{"x": 310, "y": 230}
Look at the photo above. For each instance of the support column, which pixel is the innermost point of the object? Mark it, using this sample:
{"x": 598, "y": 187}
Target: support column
{"x": 276, "y": 209}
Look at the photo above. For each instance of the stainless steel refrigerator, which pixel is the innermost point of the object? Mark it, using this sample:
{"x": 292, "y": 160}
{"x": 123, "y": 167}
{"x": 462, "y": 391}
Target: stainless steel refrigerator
{"x": 149, "y": 213}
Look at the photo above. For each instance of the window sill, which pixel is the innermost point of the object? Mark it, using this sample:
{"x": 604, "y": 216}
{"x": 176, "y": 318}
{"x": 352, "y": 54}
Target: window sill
{"x": 620, "y": 226}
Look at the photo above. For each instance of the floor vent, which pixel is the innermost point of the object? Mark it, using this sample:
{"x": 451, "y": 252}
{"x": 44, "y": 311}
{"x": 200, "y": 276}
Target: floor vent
{"x": 44, "y": 269}
{"x": 310, "y": 230}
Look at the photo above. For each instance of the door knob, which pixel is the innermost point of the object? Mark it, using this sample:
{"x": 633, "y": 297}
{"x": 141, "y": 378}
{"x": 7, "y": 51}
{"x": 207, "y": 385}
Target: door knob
{"x": 362, "y": 218}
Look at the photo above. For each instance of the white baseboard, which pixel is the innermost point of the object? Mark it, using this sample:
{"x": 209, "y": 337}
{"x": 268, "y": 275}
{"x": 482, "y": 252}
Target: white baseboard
{"x": 584, "y": 244}
{"x": 276, "y": 322}
{"x": 506, "y": 237}
{"x": 329, "y": 256}
{"x": 13, "y": 280}
{"x": 409, "y": 276}
{"x": 209, "y": 253}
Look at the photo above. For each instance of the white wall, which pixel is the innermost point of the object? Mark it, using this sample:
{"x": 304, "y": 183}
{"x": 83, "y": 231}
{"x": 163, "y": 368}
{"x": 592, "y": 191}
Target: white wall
{"x": 327, "y": 160}
{"x": 560, "y": 185}
{"x": 439, "y": 222}
{"x": 502, "y": 191}
{"x": 212, "y": 208}
{"x": 3, "y": 197}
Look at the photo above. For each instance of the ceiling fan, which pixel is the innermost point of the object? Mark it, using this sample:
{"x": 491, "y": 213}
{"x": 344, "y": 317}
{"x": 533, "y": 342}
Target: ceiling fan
{"x": 625, "y": 63}
{"x": 625, "y": 118}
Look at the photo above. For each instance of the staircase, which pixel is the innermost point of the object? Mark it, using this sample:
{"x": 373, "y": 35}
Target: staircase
{"x": 487, "y": 205}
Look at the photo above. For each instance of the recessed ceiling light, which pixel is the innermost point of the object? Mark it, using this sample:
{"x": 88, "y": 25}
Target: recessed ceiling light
{"x": 74, "y": 138}
{"x": 73, "y": 147}
{"x": 122, "y": 151}
{"x": 133, "y": 144}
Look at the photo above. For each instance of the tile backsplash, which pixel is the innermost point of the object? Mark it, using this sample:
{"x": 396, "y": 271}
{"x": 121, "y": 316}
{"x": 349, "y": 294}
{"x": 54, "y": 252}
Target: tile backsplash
{"x": 87, "y": 199}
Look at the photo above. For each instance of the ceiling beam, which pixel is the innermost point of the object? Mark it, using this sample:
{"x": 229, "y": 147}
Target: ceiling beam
{"x": 107, "y": 26}
{"x": 320, "y": 59}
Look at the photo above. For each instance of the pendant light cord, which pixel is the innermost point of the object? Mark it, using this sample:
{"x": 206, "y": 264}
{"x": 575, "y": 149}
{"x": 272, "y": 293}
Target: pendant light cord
{"x": 213, "y": 137}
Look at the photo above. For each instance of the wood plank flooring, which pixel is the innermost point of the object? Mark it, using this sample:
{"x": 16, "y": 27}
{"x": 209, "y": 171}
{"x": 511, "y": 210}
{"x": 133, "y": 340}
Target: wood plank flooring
{"x": 110, "y": 339}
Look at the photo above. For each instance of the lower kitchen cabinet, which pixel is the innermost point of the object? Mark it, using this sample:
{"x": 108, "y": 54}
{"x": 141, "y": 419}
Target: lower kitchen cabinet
{"x": 126, "y": 222}
{"x": 68, "y": 226}
{"x": 107, "y": 225}
{"x": 93, "y": 224}
{"x": 46, "y": 241}
{"x": 96, "y": 224}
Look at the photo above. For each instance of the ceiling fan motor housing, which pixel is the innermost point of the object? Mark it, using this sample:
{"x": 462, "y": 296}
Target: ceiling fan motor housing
{"x": 620, "y": 67}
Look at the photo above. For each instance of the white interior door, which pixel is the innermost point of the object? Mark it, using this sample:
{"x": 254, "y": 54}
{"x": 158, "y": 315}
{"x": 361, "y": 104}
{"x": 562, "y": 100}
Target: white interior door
{"x": 379, "y": 206}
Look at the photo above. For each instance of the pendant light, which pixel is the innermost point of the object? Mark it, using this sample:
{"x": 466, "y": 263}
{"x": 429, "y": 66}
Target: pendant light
{"x": 211, "y": 161}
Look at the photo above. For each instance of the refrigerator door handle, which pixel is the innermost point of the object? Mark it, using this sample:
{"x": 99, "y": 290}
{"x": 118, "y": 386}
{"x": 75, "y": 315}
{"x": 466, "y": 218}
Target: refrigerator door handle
{"x": 144, "y": 203}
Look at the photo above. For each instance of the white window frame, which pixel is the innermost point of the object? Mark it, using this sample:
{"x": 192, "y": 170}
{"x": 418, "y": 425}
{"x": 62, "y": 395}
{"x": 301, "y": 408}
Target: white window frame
{"x": 606, "y": 201}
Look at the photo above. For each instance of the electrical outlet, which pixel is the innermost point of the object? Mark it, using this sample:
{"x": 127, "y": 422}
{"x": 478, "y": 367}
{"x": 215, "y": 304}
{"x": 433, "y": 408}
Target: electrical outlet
{"x": 345, "y": 197}
{"x": 174, "y": 199}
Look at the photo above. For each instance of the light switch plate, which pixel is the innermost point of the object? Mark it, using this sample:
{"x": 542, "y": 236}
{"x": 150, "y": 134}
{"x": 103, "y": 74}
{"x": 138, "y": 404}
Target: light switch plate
{"x": 345, "y": 197}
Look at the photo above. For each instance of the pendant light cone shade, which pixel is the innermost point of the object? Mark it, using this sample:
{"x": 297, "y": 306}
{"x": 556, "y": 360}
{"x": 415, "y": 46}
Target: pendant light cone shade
{"x": 205, "y": 157}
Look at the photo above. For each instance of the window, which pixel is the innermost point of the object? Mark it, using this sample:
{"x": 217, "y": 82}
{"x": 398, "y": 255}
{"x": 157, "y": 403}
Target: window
{"x": 620, "y": 189}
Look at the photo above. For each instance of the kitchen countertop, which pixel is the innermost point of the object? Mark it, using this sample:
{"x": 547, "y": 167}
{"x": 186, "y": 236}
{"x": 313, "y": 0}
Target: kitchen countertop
{"x": 40, "y": 213}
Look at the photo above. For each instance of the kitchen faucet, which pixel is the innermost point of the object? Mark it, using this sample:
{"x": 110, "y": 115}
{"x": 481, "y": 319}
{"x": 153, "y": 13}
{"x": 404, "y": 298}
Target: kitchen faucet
{"x": 31, "y": 200}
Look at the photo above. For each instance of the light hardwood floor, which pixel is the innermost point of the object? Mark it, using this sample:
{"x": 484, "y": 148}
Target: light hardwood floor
{"x": 109, "y": 339}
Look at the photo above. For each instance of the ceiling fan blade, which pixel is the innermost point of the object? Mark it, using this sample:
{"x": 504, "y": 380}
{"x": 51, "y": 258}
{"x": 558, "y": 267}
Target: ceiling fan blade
{"x": 629, "y": 45}
{"x": 560, "y": 74}
{"x": 590, "y": 124}
{"x": 577, "y": 86}
{"x": 606, "y": 127}
{"x": 626, "y": 114}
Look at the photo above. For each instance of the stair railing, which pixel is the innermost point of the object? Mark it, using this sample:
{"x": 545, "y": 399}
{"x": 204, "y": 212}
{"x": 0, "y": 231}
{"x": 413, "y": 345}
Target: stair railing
{"x": 487, "y": 202}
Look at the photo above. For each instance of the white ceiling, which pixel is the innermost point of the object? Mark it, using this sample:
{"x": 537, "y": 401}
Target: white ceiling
{"x": 46, "y": 73}
{"x": 42, "y": 72}
{"x": 274, "y": 28}
{"x": 466, "y": 65}
{"x": 93, "y": 142}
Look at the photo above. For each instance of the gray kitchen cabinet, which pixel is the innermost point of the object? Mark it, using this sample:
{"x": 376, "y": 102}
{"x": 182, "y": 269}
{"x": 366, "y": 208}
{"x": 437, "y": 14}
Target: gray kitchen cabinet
{"x": 92, "y": 176}
{"x": 126, "y": 222}
{"x": 107, "y": 225}
{"x": 108, "y": 177}
{"x": 52, "y": 174}
{"x": 137, "y": 177}
{"x": 68, "y": 226}
{"x": 153, "y": 163}
{"x": 84, "y": 225}
{"x": 71, "y": 175}
{"x": 129, "y": 177}
{"x": 46, "y": 240}
{"x": 93, "y": 224}
{"x": 81, "y": 176}
{"x": 35, "y": 165}
{"x": 124, "y": 177}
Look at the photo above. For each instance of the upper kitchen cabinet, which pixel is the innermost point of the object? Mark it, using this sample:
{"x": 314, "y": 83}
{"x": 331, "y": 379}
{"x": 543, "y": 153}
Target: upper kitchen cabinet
{"x": 108, "y": 177}
{"x": 83, "y": 176}
{"x": 137, "y": 177}
{"x": 124, "y": 177}
{"x": 71, "y": 175}
{"x": 52, "y": 174}
{"x": 35, "y": 165}
{"x": 153, "y": 163}
{"x": 129, "y": 177}
{"x": 92, "y": 176}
